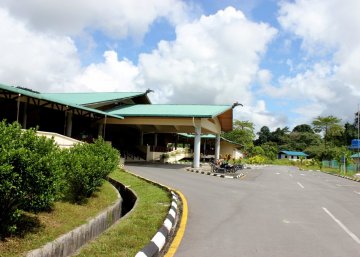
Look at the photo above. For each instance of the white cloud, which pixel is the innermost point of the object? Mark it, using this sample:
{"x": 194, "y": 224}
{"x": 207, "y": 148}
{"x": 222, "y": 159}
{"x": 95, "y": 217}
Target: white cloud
{"x": 314, "y": 84}
{"x": 213, "y": 60}
{"x": 116, "y": 18}
{"x": 264, "y": 77}
{"x": 260, "y": 116}
{"x": 33, "y": 59}
{"x": 330, "y": 31}
{"x": 109, "y": 76}
{"x": 324, "y": 23}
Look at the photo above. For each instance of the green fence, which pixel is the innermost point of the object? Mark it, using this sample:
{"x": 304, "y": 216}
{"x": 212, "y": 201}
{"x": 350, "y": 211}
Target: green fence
{"x": 335, "y": 164}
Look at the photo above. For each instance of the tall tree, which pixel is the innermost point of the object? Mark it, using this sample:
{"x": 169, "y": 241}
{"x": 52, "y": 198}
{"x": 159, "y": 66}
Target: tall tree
{"x": 264, "y": 135}
{"x": 350, "y": 133}
{"x": 303, "y": 128}
{"x": 280, "y": 136}
{"x": 329, "y": 125}
{"x": 299, "y": 141}
{"x": 270, "y": 150}
{"x": 242, "y": 133}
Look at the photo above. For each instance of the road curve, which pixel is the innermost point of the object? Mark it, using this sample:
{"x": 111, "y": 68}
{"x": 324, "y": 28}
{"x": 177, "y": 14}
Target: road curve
{"x": 274, "y": 211}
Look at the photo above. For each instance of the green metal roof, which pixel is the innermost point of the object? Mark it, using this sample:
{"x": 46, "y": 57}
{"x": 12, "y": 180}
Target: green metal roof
{"x": 357, "y": 155}
{"x": 232, "y": 142}
{"x": 167, "y": 110}
{"x": 54, "y": 100}
{"x": 92, "y": 97}
{"x": 294, "y": 153}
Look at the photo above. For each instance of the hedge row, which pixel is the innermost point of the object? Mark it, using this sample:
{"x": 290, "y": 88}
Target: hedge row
{"x": 35, "y": 172}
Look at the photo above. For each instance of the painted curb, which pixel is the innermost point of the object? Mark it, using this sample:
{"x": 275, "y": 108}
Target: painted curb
{"x": 180, "y": 229}
{"x": 215, "y": 174}
{"x": 157, "y": 243}
{"x": 162, "y": 237}
{"x": 342, "y": 176}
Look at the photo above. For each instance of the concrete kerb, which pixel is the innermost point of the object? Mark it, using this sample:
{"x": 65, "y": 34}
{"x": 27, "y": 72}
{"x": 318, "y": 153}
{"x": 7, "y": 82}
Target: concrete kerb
{"x": 164, "y": 235}
{"x": 72, "y": 241}
{"x": 342, "y": 176}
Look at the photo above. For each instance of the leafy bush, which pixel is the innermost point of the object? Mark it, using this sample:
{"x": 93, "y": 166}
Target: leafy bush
{"x": 286, "y": 162}
{"x": 257, "y": 150}
{"x": 87, "y": 166}
{"x": 258, "y": 159}
{"x": 238, "y": 161}
{"x": 30, "y": 174}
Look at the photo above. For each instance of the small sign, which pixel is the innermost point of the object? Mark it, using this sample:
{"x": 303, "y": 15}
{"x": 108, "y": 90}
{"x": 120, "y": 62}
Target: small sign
{"x": 355, "y": 143}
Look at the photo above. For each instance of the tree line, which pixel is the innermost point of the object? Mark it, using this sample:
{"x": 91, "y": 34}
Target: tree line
{"x": 326, "y": 138}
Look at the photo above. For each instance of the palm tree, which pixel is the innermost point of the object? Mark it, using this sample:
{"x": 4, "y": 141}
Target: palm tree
{"x": 326, "y": 125}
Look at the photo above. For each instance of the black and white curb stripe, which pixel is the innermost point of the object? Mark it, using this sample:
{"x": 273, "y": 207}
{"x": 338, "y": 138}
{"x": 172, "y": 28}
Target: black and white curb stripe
{"x": 215, "y": 174}
{"x": 159, "y": 240}
{"x": 346, "y": 177}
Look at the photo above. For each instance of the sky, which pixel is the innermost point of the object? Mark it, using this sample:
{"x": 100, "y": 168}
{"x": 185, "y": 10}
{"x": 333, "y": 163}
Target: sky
{"x": 287, "y": 62}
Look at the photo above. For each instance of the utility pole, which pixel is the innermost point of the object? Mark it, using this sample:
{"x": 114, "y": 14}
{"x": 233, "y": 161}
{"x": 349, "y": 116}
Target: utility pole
{"x": 358, "y": 157}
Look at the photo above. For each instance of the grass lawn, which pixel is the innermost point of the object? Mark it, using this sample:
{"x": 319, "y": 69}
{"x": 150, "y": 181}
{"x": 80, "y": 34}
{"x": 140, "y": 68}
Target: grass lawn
{"x": 47, "y": 226}
{"x": 135, "y": 230}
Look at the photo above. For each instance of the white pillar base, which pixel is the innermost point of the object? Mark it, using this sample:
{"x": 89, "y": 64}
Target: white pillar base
{"x": 217, "y": 147}
{"x": 69, "y": 124}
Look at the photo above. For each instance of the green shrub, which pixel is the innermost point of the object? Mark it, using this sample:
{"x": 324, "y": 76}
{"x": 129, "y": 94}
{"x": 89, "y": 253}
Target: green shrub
{"x": 87, "y": 166}
{"x": 30, "y": 174}
{"x": 258, "y": 159}
{"x": 285, "y": 162}
{"x": 238, "y": 161}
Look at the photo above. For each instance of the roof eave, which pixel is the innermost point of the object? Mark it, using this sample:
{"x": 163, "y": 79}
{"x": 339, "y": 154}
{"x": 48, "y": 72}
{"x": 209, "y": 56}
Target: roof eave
{"x": 40, "y": 97}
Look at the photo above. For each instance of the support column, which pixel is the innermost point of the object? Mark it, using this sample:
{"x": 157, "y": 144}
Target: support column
{"x": 18, "y": 108}
{"x": 104, "y": 127}
{"x": 24, "y": 121}
{"x": 141, "y": 138}
{"x": 217, "y": 147}
{"x": 69, "y": 124}
{"x": 100, "y": 130}
{"x": 155, "y": 139}
{"x": 176, "y": 141}
{"x": 197, "y": 142}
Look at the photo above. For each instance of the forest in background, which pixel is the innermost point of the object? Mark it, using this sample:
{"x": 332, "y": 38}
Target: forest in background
{"x": 326, "y": 138}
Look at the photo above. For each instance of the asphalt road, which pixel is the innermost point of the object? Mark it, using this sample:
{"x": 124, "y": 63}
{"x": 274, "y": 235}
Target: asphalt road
{"x": 274, "y": 211}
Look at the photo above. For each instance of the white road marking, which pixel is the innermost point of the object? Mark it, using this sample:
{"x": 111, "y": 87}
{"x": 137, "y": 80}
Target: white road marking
{"x": 277, "y": 173}
{"x": 356, "y": 192}
{"x": 302, "y": 174}
{"x": 351, "y": 234}
{"x": 290, "y": 175}
{"x": 300, "y": 185}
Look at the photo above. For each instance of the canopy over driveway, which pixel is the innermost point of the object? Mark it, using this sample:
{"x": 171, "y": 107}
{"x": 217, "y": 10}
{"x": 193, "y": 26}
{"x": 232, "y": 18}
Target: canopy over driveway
{"x": 197, "y": 119}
